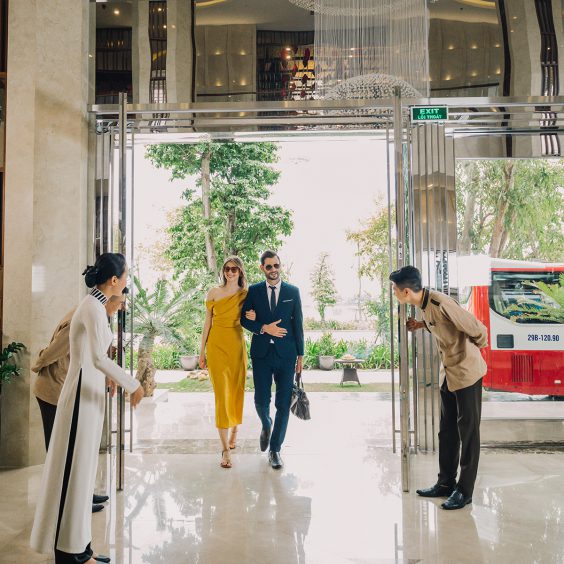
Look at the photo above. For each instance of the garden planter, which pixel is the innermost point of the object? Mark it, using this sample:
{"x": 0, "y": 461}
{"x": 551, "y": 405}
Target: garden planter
{"x": 326, "y": 362}
{"x": 189, "y": 362}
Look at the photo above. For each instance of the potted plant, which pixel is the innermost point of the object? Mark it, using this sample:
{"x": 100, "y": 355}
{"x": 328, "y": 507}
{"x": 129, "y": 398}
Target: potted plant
{"x": 190, "y": 353}
{"x": 326, "y": 351}
{"x": 8, "y": 368}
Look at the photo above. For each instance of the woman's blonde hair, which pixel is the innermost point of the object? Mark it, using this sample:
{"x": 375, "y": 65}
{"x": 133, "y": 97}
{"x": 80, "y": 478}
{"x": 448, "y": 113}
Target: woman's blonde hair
{"x": 239, "y": 264}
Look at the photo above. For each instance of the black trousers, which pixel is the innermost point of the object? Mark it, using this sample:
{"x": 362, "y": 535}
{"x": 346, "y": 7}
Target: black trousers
{"x": 48, "y": 412}
{"x": 459, "y": 436}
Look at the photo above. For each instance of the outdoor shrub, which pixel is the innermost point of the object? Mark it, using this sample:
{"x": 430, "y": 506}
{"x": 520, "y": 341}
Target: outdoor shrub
{"x": 360, "y": 349}
{"x": 311, "y": 324}
{"x": 325, "y": 346}
{"x": 128, "y": 357}
{"x": 311, "y": 354}
{"x": 379, "y": 357}
{"x": 166, "y": 357}
{"x": 374, "y": 356}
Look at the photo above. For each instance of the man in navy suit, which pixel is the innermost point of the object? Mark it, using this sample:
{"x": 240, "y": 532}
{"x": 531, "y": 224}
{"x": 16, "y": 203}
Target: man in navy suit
{"x": 277, "y": 350}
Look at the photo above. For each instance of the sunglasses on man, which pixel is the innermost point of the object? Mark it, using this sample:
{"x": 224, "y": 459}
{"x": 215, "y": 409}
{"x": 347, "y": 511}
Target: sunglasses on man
{"x": 269, "y": 267}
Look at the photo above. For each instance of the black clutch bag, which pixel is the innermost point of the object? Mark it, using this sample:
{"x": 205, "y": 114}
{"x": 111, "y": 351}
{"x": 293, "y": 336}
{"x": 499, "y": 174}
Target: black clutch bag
{"x": 300, "y": 403}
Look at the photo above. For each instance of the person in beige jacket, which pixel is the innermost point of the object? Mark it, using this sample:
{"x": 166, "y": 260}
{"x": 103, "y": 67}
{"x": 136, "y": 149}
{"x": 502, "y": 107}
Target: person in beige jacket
{"x": 52, "y": 366}
{"x": 459, "y": 337}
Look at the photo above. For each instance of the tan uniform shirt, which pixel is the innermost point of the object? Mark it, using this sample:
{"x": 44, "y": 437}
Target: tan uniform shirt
{"x": 459, "y": 336}
{"x": 53, "y": 363}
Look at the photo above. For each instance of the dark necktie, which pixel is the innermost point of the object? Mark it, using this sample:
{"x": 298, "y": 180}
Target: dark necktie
{"x": 272, "y": 298}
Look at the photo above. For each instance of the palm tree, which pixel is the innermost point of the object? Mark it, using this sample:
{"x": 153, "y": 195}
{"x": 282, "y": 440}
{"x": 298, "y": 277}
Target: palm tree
{"x": 160, "y": 313}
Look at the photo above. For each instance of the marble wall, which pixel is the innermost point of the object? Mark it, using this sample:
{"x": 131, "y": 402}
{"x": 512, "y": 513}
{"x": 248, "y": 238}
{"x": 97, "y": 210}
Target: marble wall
{"x": 46, "y": 196}
{"x": 226, "y": 61}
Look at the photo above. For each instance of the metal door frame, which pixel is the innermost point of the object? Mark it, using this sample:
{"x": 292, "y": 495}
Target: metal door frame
{"x": 506, "y": 117}
{"x": 518, "y": 127}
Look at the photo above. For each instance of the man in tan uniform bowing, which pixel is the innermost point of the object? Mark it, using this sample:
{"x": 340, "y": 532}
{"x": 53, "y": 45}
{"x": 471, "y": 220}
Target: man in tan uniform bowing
{"x": 459, "y": 336}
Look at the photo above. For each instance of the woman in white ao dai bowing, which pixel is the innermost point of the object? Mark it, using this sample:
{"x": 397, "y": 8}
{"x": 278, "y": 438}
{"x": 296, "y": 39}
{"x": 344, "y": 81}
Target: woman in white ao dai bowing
{"x": 63, "y": 515}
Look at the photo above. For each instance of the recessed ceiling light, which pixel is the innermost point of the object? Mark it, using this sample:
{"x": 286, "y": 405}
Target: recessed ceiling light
{"x": 205, "y": 3}
{"x": 488, "y": 4}
{"x": 116, "y": 12}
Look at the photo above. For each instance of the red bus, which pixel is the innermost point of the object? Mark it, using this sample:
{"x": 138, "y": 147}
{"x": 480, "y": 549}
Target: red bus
{"x": 524, "y": 354}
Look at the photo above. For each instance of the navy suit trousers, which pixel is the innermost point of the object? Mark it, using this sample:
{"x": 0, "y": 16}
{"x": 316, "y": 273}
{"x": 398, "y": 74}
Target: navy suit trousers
{"x": 282, "y": 370}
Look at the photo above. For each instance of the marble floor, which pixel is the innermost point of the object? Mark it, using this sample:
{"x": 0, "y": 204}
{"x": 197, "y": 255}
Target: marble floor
{"x": 338, "y": 499}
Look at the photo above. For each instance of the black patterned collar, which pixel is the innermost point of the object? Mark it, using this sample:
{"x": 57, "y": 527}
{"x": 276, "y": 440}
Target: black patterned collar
{"x": 425, "y": 298}
{"x": 102, "y": 298}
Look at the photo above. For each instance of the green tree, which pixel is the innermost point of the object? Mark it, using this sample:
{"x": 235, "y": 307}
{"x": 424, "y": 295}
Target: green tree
{"x": 373, "y": 246}
{"x": 511, "y": 209}
{"x": 379, "y": 310}
{"x": 230, "y": 215}
{"x": 323, "y": 288}
{"x": 162, "y": 313}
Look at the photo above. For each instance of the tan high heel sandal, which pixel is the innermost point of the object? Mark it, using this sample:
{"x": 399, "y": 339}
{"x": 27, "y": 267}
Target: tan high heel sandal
{"x": 233, "y": 439}
{"x": 225, "y": 463}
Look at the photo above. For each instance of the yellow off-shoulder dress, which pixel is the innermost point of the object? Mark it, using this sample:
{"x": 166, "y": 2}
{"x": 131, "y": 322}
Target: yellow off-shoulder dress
{"x": 226, "y": 355}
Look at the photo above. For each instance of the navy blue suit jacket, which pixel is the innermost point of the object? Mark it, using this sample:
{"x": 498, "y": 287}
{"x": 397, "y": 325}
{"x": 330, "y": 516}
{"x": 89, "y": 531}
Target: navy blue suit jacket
{"x": 288, "y": 309}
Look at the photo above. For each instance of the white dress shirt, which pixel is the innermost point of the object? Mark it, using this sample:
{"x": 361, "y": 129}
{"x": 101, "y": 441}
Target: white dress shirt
{"x": 276, "y": 294}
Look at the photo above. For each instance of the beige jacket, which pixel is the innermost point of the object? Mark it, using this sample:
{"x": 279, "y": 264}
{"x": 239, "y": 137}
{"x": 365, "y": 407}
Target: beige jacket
{"x": 459, "y": 336}
{"x": 53, "y": 363}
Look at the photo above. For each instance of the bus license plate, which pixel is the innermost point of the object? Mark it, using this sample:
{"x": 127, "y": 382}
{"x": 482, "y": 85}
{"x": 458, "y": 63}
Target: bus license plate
{"x": 543, "y": 338}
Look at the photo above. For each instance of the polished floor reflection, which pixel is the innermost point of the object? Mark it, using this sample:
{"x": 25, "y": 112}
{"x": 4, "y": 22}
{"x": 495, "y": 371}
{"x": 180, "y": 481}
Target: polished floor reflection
{"x": 338, "y": 499}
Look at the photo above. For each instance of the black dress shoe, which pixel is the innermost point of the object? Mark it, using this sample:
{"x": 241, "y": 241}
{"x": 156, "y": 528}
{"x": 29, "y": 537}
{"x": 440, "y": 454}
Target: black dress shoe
{"x": 275, "y": 460}
{"x": 99, "y": 498}
{"x": 438, "y": 490}
{"x": 457, "y": 500}
{"x": 264, "y": 438}
{"x": 97, "y": 507}
{"x": 102, "y": 558}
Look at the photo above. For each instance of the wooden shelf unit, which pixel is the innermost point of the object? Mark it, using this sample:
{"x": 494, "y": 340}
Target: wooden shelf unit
{"x": 282, "y": 65}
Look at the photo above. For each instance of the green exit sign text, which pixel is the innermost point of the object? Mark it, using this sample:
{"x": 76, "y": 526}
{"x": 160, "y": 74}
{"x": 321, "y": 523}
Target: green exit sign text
{"x": 428, "y": 113}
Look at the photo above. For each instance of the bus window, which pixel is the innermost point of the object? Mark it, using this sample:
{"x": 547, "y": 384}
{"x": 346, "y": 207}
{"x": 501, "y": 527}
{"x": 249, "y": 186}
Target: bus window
{"x": 513, "y": 296}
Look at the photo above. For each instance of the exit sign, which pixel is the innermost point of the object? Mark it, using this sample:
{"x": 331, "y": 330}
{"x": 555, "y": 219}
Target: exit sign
{"x": 429, "y": 113}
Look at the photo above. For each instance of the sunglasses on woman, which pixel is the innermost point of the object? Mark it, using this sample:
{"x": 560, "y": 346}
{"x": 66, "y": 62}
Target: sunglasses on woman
{"x": 233, "y": 269}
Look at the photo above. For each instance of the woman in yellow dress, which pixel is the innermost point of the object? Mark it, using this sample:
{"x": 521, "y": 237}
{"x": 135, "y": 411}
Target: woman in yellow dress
{"x": 226, "y": 358}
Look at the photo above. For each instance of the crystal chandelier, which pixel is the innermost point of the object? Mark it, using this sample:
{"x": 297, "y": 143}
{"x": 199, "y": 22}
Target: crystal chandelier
{"x": 355, "y": 38}
{"x": 369, "y": 86}
{"x": 340, "y": 7}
